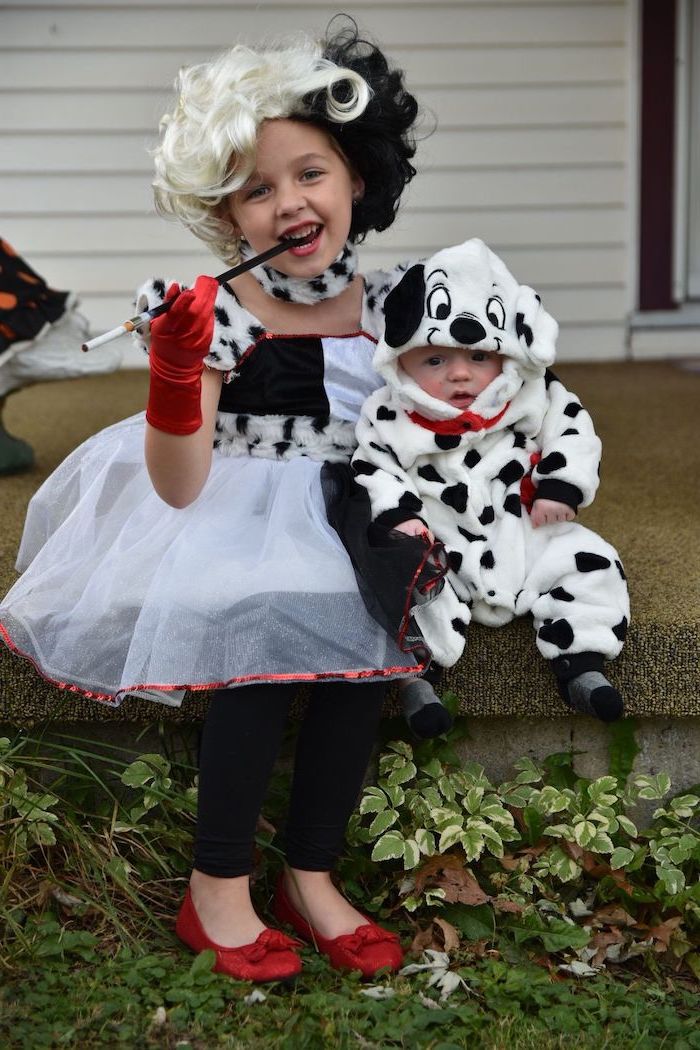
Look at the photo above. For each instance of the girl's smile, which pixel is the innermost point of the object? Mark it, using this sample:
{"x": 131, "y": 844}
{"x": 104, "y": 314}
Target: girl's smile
{"x": 302, "y": 186}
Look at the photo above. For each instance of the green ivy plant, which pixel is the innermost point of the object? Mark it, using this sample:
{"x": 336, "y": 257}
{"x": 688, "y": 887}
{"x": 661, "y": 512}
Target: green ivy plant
{"x": 416, "y": 811}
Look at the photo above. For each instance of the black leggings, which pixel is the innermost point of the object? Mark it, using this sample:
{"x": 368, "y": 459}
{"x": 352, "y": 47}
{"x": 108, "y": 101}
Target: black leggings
{"x": 240, "y": 742}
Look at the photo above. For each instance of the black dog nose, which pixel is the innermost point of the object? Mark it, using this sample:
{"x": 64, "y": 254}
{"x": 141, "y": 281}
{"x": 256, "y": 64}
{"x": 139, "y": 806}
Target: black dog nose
{"x": 467, "y": 331}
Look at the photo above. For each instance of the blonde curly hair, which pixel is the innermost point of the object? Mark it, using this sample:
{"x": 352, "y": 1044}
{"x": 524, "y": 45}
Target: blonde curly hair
{"x": 208, "y": 143}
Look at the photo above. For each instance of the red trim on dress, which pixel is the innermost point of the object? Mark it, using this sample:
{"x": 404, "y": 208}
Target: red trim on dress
{"x": 201, "y": 687}
{"x": 460, "y": 424}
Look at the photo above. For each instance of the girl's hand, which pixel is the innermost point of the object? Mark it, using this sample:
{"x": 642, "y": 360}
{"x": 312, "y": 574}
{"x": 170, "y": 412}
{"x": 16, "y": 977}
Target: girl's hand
{"x": 549, "y": 512}
{"x": 180, "y": 341}
{"x": 415, "y": 527}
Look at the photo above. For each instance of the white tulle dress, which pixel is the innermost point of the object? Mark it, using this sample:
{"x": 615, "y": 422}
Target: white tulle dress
{"x": 121, "y": 594}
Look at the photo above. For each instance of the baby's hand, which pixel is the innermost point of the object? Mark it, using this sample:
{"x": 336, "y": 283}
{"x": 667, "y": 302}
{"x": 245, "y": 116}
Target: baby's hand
{"x": 415, "y": 527}
{"x": 549, "y": 512}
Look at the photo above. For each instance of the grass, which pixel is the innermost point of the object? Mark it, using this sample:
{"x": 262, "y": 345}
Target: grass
{"x": 95, "y": 858}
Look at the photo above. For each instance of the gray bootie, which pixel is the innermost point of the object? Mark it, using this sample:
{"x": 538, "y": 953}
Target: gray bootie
{"x": 423, "y": 710}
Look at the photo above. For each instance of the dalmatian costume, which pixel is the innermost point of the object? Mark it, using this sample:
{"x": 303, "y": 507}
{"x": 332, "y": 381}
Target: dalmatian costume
{"x": 471, "y": 476}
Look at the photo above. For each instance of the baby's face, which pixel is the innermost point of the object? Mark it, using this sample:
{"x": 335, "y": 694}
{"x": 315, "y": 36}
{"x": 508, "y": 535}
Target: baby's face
{"x": 454, "y": 374}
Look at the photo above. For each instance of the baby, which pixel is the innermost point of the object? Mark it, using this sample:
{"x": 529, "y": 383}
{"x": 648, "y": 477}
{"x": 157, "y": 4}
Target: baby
{"x": 475, "y": 445}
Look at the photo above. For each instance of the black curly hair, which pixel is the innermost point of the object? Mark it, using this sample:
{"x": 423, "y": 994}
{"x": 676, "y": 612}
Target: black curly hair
{"x": 379, "y": 143}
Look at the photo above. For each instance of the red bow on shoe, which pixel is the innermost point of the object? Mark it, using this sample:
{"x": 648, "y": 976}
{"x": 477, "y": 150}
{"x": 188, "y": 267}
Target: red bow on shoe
{"x": 366, "y": 935}
{"x": 268, "y": 941}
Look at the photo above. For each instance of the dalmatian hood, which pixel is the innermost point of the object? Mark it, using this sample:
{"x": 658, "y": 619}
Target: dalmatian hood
{"x": 465, "y": 296}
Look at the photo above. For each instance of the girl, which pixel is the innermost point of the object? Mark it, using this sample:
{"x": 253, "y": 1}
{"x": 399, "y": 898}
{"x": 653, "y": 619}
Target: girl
{"x": 221, "y": 571}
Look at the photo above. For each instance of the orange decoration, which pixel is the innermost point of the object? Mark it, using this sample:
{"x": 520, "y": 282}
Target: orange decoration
{"x": 7, "y": 300}
{"x": 28, "y": 277}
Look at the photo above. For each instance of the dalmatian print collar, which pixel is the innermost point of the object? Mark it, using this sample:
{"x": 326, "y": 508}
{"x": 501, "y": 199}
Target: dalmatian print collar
{"x": 326, "y": 285}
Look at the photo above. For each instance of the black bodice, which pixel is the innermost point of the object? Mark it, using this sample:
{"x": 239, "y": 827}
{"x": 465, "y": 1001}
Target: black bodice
{"x": 280, "y": 375}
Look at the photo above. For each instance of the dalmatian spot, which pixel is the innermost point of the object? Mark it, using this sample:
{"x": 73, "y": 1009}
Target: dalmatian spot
{"x": 512, "y": 505}
{"x": 550, "y": 377}
{"x": 522, "y": 329}
{"x": 588, "y": 562}
{"x": 318, "y": 285}
{"x": 222, "y": 316}
{"x": 214, "y": 356}
{"x": 319, "y": 424}
{"x": 487, "y": 560}
{"x": 620, "y": 629}
{"x": 456, "y": 496}
{"x": 379, "y": 448}
{"x": 339, "y": 269}
{"x": 570, "y": 432}
{"x": 621, "y": 571}
{"x": 288, "y": 428}
{"x": 409, "y": 501}
{"x": 491, "y": 594}
{"x": 572, "y": 409}
{"x": 511, "y": 472}
{"x": 559, "y": 633}
{"x": 470, "y": 537}
{"x": 361, "y": 467}
{"x": 282, "y": 293}
{"x": 255, "y": 332}
{"x": 561, "y": 594}
{"x": 518, "y": 439}
{"x": 159, "y": 287}
{"x": 242, "y": 423}
{"x": 554, "y": 461}
{"x": 447, "y": 441}
{"x": 459, "y": 626}
{"x": 487, "y": 515}
{"x": 454, "y": 560}
{"x": 385, "y": 413}
{"x": 472, "y": 458}
{"x": 281, "y": 447}
{"x": 429, "y": 473}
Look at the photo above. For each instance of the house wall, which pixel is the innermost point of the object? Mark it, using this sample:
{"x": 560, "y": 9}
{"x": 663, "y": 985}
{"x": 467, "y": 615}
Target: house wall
{"x": 531, "y": 152}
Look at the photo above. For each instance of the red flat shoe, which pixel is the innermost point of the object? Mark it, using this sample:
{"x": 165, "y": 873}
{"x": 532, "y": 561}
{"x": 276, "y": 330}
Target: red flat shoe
{"x": 271, "y": 957}
{"x": 369, "y": 949}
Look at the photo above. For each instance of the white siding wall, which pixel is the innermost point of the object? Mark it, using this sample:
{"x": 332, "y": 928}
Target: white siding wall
{"x": 531, "y": 151}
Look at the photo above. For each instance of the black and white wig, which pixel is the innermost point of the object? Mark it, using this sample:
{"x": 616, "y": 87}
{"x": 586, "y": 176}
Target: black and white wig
{"x": 343, "y": 85}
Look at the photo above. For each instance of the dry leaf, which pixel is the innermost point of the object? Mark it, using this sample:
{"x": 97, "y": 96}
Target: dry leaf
{"x": 422, "y": 940}
{"x": 663, "y": 932}
{"x": 509, "y": 862}
{"x": 450, "y": 937}
{"x": 602, "y": 941}
{"x": 505, "y": 905}
{"x": 440, "y": 936}
{"x": 448, "y": 873}
{"x": 613, "y": 915}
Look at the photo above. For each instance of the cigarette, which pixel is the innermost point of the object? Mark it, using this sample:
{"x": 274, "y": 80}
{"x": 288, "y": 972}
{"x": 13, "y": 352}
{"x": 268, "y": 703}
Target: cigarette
{"x": 122, "y": 329}
{"x": 148, "y": 315}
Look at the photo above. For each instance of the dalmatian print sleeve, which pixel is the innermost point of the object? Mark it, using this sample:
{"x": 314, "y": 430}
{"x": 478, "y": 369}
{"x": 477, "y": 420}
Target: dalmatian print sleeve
{"x": 235, "y": 329}
{"x": 570, "y": 447}
{"x": 393, "y": 496}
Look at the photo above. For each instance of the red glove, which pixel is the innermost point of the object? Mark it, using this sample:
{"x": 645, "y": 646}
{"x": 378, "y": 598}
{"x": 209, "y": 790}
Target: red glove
{"x": 180, "y": 340}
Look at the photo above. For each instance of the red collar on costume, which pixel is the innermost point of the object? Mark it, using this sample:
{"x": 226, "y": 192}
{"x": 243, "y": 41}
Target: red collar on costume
{"x": 460, "y": 424}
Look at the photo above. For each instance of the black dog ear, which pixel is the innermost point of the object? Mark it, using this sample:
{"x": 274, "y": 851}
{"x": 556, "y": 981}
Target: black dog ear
{"x": 404, "y": 306}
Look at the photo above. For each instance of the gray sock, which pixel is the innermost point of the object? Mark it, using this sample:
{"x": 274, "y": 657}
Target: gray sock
{"x": 423, "y": 709}
{"x": 591, "y": 693}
